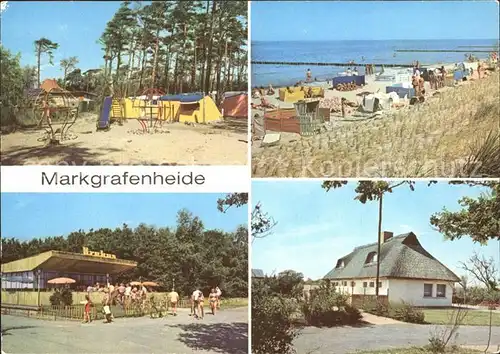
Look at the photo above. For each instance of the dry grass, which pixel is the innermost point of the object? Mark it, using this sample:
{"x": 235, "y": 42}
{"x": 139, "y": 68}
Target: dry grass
{"x": 452, "y": 134}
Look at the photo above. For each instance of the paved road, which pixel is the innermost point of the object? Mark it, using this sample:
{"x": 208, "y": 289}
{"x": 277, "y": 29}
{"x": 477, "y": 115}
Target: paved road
{"x": 227, "y": 332}
{"x": 345, "y": 340}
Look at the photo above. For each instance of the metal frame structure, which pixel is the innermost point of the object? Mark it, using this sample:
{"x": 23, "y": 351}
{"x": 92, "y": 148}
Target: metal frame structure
{"x": 68, "y": 112}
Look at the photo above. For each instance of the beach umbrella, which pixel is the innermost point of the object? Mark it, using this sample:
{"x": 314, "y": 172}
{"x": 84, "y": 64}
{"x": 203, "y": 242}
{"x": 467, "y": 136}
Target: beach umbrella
{"x": 150, "y": 283}
{"x": 134, "y": 283}
{"x": 61, "y": 281}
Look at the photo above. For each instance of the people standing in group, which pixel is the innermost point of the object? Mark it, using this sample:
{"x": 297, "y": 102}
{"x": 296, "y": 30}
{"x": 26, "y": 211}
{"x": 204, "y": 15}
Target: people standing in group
{"x": 173, "y": 298}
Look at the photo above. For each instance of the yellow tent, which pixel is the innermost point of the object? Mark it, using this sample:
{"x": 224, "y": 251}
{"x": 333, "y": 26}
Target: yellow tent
{"x": 192, "y": 108}
{"x": 294, "y": 94}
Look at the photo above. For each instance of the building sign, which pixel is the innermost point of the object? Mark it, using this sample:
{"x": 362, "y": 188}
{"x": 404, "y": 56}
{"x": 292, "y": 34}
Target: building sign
{"x": 99, "y": 254}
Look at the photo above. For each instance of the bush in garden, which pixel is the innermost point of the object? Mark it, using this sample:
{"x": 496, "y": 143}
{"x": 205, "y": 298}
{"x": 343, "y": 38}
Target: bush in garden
{"x": 325, "y": 307}
{"x": 273, "y": 330}
{"x": 407, "y": 313}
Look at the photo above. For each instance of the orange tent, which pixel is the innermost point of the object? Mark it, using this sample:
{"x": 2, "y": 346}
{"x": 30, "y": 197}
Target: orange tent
{"x": 235, "y": 105}
{"x": 50, "y": 84}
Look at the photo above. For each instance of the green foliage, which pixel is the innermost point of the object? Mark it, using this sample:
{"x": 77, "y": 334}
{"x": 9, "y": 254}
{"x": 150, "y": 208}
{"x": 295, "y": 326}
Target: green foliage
{"x": 325, "y": 307}
{"x": 436, "y": 345}
{"x": 187, "y": 254}
{"x": 11, "y": 78}
{"x": 273, "y": 330}
{"x": 478, "y": 217}
{"x": 399, "y": 311}
{"x": 406, "y": 313}
{"x": 61, "y": 297}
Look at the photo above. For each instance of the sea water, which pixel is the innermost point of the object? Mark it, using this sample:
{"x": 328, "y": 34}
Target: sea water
{"x": 374, "y": 52}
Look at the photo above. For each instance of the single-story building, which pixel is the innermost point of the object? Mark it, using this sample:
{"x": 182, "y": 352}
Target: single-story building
{"x": 407, "y": 273}
{"x": 86, "y": 268}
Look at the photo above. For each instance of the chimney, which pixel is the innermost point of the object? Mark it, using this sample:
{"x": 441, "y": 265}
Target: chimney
{"x": 385, "y": 236}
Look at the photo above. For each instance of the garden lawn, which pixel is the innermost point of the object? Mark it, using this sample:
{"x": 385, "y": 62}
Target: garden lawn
{"x": 473, "y": 317}
{"x": 419, "y": 350}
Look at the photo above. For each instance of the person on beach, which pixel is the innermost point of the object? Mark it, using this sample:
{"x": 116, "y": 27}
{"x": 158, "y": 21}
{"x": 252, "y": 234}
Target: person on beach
{"x": 479, "y": 69}
{"x": 308, "y": 75}
{"x": 349, "y": 72}
{"x": 270, "y": 90}
{"x": 88, "y": 306}
{"x": 173, "y": 298}
{"x": 355, "y": 72}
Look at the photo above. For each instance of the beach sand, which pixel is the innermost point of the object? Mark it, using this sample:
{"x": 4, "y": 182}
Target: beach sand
{"x": 429, "y": 139}
{"x": 175, "y": 143}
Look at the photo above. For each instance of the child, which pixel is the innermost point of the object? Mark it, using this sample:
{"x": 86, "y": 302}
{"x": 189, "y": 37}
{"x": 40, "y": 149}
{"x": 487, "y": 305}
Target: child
{"x": 88, "y": 305}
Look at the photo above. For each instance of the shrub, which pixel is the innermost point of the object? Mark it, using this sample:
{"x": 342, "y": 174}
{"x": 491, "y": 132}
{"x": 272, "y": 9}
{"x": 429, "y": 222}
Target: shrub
{"x": 272, "y": 325}
{"x": 407, "y": 313}
{"x": 325, "y": 307}
{"x": 436, "y": 345}
{"x": 62, "y": 297}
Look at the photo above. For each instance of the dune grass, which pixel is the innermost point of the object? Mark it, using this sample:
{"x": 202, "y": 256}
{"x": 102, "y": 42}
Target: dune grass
{"x": 453, "y": 134}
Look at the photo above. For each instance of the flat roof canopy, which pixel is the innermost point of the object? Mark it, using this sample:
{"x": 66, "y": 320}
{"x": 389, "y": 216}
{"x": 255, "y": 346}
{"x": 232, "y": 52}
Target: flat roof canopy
{"x": 69, "y": 262}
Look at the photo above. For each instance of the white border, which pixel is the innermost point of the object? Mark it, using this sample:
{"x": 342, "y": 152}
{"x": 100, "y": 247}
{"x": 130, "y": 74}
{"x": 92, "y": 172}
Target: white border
{"x": 217, "y": 179}
{"x": 249, "y": 166}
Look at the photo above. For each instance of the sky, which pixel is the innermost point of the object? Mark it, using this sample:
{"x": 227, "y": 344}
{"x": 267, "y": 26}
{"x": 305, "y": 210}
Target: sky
{"x": 315, "y": 228}
{"x": 29, "y": 215}
{"x": 383, "y": 20}
{"x": 75, "y": 25}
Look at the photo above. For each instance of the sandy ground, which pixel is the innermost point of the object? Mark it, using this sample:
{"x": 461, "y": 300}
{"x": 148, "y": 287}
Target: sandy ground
{"x": 176, "y": 144}
{"x": 224, "y": 333}
{"x": 370, "y": 144}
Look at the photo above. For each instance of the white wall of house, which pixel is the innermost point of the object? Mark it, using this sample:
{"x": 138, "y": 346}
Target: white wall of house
{"x": 412, "y": 292}
{"x": 359, "y": 288}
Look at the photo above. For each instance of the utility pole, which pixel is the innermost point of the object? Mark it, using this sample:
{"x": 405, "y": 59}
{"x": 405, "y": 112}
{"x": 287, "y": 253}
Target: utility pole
{"x": 379, "y": 242}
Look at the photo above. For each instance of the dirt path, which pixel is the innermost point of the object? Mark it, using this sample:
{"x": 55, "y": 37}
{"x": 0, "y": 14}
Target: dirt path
{"x": 126, "y": 145}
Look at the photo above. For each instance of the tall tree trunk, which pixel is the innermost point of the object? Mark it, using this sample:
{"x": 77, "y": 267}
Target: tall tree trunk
{"x": 176, "y": 73}
{"x": 193, "y": 71}
{"x": 155, "y": 59}
{"x": 379, "y": 244}
{"x": 167, "y": 71}
{"x": 64, "y": 77}
{"x": 39, "y": 55}
{"x": 142, "y": 68}
{"x": 210, "y": 46}
{"x": 204, "y": 49}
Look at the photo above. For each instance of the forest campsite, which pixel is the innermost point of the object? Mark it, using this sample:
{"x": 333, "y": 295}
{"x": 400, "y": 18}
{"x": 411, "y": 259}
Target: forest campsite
{"x": 124, "y": 83}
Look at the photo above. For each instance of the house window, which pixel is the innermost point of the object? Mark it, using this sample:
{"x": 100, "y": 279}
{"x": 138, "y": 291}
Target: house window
{"x": 427, "y": 290}
{"x": 344, "y": 283}
{"x": 365, "y": 284}
{"x": 441, "y": 290}
{"x": 379, "y": 284}
{"x": 371, "y": 258}
{"x": 372, "y": 284}
{"x": 340, "y": 263}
